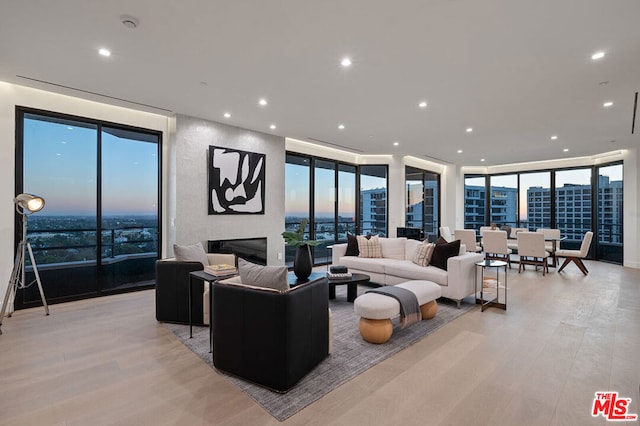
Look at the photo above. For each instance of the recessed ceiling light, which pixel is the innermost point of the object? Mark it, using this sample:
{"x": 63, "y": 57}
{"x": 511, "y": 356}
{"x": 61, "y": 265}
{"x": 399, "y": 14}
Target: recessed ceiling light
{"x": 554, "y": 137}
{"x": 129, "y": 21}
{"x": 422, "y": 104}
{"x": 607, "y": 104}
{"x": 459, "y": 151}
{"x": 482, "y": 159}
{"x": 469, "y": 129}
{"x": 58, "y": 154}
{"x": 566, "y": 150}
{"x": 227, "y": 115}
{"x": 104, "y": 52}
{"x": 345, "y": 62}
{"x": 262, "y": 102}
{"x": 272, "y": 127}
{"x": 63, "y": 142}
{"x": 597, "y": 55}
{"x": 396, "y": 143}
{"x": 69, "y": 128}
{"x": 341, "y": 127}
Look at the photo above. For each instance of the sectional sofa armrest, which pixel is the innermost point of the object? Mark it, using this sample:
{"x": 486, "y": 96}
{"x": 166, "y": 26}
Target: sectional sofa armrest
{"x": 338, "y": 251}
{"x": 461, "y": 271}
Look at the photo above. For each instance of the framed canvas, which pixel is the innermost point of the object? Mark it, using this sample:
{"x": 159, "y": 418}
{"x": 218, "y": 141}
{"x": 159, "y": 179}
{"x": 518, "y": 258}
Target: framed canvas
{"x": 236, "y": 181}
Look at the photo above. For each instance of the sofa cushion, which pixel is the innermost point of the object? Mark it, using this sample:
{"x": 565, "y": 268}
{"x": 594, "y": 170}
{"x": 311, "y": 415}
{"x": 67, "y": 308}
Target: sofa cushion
{"x": 410, "y": 247}
{"x": 362, "y": 264}
{"x": 423, "y": 254}
{"x": 443, "y": 251}
{"x": 352, "y": 246}
{"x": 369, "y": 247}
{"x": 191, "y": 253}
{"x": 263, "y": 276}
{"x": 392, "y": 248}
{"x": 410, "y": 271}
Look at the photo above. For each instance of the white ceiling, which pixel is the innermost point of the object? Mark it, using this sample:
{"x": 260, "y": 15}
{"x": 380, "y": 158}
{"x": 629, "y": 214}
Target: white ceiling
{"x": 517, "y": 72}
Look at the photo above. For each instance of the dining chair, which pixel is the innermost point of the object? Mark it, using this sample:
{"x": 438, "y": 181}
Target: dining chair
{"x": 445, "y": 233}
{"x": 551, "y": 236}
{"x": 532, "y": 251}
{"x": 468, "y": 238}
{"x": 576, "y": 256}
{"x": 512, "y": 240}
{"x": 495, "y": 246}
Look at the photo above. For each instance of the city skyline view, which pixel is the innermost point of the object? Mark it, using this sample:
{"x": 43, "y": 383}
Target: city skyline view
{"x": 61, "y": 166}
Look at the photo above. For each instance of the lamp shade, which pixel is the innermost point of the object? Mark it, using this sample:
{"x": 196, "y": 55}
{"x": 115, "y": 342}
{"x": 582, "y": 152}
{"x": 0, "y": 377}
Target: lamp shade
{"x": 29, "y": 203}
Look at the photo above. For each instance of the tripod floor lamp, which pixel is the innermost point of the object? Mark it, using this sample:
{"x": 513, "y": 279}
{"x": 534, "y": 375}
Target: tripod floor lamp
{"x": 26, "y": 204}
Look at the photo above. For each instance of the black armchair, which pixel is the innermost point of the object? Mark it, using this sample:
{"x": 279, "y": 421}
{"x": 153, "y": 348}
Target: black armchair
{"x": 272, "y": 339}
{"x": 172, "y": 290}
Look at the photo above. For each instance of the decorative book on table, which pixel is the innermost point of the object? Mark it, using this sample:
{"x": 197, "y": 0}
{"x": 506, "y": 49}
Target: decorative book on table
{"x": 221, "y": 270}
{"x": 338, "y": 272}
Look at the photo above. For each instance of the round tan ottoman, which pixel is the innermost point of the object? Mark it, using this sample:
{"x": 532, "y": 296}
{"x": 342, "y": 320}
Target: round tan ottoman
{"x": 377, "y": 310}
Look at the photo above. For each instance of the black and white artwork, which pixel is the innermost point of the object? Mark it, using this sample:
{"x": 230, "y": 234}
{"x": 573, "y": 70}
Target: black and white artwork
{"x": 236, "y": 181}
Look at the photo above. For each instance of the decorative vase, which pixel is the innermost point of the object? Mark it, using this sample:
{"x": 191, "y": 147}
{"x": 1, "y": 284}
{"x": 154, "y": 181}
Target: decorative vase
{"x": 302, "y": 262}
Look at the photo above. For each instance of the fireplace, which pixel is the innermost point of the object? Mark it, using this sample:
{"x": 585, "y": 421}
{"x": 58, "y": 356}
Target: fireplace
{"x": 250, "y": 249}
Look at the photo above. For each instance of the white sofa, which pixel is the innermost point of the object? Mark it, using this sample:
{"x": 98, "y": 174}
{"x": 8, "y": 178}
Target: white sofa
{"x": 396, "y": 267}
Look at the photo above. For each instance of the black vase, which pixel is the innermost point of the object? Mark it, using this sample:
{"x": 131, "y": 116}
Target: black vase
{"x": 302, "y": 262}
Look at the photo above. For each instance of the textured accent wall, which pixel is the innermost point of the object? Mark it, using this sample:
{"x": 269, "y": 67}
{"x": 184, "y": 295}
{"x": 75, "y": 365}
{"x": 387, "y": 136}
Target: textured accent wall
{"x": 191, "y": 222}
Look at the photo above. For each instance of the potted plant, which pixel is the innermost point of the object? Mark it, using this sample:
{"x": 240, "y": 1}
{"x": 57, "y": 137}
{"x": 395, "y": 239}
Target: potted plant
{"x": 302, "y": 262}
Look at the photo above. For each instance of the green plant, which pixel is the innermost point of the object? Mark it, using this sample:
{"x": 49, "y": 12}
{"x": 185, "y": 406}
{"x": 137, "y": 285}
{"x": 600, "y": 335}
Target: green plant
{"x": 296, "y": 239}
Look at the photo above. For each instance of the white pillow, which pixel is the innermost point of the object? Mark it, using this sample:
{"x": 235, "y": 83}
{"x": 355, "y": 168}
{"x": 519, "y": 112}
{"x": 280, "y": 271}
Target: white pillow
{"x": 192, "y": 253}
{"x": 393, "y": 248}
{"x": 263, "y": 276}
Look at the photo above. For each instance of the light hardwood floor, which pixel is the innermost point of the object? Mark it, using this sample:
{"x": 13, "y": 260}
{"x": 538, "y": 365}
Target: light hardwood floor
{"x": 563, "y": 337}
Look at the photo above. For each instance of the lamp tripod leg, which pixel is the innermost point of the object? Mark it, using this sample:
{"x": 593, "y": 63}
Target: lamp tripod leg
{"x": 35, "y": 271}
{"x": 12, "y": 287}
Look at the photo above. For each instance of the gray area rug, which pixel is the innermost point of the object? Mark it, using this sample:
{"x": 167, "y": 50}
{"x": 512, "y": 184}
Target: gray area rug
{"x": 351, "y": 355}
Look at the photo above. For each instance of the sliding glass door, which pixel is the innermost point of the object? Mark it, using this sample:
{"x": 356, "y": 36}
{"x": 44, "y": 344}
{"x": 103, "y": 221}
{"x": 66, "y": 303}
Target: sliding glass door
{"x": 101, "y": 189}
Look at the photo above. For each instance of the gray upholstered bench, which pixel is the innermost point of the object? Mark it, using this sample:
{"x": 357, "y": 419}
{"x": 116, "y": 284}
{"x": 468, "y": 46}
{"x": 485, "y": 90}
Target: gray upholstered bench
{"x": 377, "y": 310}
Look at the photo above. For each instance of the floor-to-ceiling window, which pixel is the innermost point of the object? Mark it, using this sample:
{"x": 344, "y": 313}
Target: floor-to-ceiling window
{"x": 326, "y": 192}
{"x": 373, "y": 200}
{"x": 609, "y": 213}
{"x": 296, "y": 197}
{"x": 573, "y": 205}
{"x": 475, "y": 200}
{"x": 422, "y": 201}
{"x": 573, "y": 200}
{"x": 101, "y": 188}
{"x": 535, "y": 200}
{"x": 503, "y": 200}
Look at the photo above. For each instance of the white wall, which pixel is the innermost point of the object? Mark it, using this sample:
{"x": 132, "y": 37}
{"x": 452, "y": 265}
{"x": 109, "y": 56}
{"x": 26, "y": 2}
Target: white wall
{"x": 189, "y": 159}
{"x": 12, "y": 95}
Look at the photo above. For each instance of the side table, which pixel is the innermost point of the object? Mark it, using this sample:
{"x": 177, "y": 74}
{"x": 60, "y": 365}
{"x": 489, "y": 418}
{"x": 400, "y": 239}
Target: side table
{"x": 495, "y": 302}
{"x": 206, "y": 279}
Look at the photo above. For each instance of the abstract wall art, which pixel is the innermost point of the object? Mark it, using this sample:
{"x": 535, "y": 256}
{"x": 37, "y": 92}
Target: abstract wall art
{"x": 236, "y": 181}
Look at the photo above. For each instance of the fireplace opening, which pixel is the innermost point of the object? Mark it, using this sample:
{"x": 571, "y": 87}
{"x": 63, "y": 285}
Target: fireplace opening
{"x": 250, "y": 249}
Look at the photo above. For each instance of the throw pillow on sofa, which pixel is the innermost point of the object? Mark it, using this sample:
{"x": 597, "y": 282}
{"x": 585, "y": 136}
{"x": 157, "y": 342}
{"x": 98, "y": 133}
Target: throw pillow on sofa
{"x": 192, "y": 253}
{"x": 423, "y": 254}
{"x": 263, "y": 276}
{"x": 443, "y": 251}
{"x": 369, "y": 247}
{"x": 352, "y": 246}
